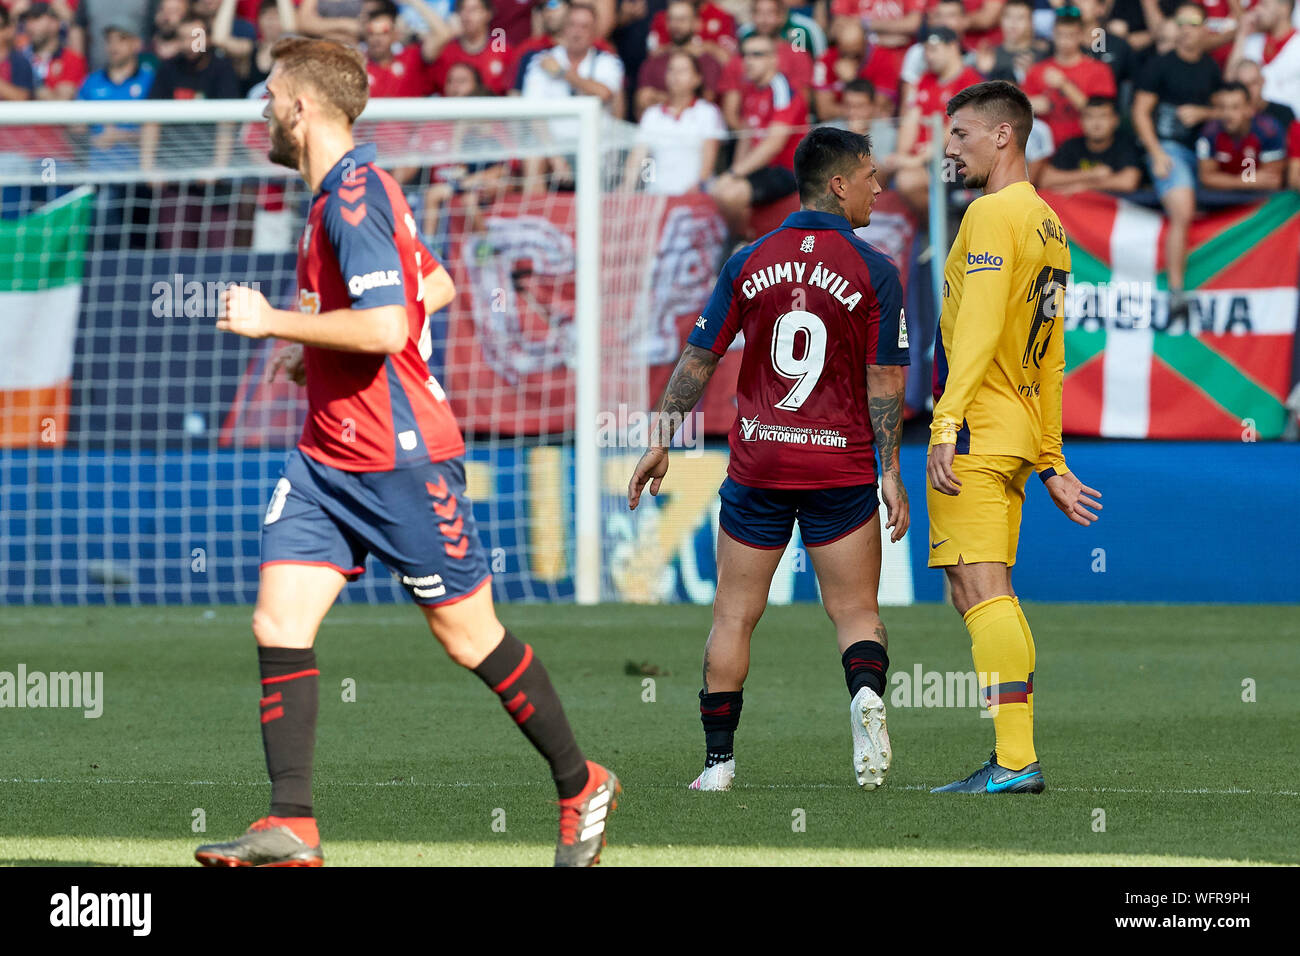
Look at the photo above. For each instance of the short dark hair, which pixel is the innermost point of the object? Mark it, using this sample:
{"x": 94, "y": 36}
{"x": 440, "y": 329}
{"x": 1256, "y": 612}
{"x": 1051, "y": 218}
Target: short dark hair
{"x": 1108, "y": 101}
{"x": 384, "y": 8}
{"x": 1003, "y": 101}
{"x": 823, "y": 153}
{"x": 1028, "y": 4}
{"x": 1233, "y": 88}
{"x": 861, "y": 85}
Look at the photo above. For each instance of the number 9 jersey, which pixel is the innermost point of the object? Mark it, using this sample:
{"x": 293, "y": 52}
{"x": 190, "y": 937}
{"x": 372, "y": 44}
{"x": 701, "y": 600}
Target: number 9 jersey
{"x": 816, "y": 305}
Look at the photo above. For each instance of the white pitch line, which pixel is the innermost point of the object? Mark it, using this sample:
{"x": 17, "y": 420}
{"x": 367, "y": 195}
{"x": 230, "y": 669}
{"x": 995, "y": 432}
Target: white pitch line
{"x": 464, "y": 785}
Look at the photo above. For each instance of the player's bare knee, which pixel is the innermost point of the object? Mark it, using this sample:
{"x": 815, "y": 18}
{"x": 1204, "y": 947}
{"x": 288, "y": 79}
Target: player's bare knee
{"x": 270, "y": 631}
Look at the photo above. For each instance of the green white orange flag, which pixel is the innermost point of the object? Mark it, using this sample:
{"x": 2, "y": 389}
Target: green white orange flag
{"x": 1130, "y": 372}
{"x": 42, "y": 262}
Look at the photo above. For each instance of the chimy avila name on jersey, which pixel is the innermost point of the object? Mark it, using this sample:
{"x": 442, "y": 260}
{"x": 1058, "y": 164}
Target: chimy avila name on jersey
{"x": 793, "y": 271}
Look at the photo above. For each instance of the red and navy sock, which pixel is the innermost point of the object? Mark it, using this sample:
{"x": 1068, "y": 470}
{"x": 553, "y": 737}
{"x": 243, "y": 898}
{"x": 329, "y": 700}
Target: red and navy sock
{"x": 290, "y": 699}
{"x": 865, "y": 664}
{"x": 720, "y": 715}
{"x": 516, "y": 676}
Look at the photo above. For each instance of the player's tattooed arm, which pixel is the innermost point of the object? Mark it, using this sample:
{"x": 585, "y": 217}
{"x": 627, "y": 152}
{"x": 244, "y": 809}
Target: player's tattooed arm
{"x": 692, "y": 374}
{"x": 693, "y": 371}
{"x": 886, "y": 387}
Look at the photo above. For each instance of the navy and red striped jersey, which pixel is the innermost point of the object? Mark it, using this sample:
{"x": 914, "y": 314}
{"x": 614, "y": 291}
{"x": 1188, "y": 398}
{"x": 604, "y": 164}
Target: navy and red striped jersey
{"x": 360, "y": 249}
{"x": 817, "y": 305}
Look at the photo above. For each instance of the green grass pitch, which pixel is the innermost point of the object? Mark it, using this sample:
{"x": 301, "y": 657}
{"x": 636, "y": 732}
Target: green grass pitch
{"x": 1139, "y": 711}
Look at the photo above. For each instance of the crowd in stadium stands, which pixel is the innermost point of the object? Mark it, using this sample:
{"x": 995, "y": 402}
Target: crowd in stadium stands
{"x": 1182, "y": 99}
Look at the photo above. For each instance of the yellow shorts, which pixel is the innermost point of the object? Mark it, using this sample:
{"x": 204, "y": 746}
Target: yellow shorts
{"x": 982, "y": 523}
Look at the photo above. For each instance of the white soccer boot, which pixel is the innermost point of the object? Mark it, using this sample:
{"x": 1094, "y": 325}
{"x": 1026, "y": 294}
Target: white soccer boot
{"x": 871, "y": 753}
{"x": 717, "y": 777}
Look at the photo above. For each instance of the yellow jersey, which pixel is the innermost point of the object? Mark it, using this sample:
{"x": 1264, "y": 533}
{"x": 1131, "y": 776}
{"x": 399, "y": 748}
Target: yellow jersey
{"x": 1000, "y": 357}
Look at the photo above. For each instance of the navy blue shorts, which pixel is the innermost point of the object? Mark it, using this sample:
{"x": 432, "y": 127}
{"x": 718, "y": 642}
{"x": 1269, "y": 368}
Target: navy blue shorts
{"x": 765, "y": 517}
{"x": 416, "y": 520}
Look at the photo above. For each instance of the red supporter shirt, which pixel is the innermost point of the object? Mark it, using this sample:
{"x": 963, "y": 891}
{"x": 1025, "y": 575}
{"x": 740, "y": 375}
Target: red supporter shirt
{"x": 360, "y": 250}
{"x": 492, "y": 65}
{"x": 866, "y": 11}
{"x": 716, "y": 26}
{"x": 763, "y": 106}
{"x": 884, "y": 68}
{"x": 795, "y": 66}
{"x": 65, "y": 66}
{"x": 1293, "y": 140}
{"x": 406, "y": 74}
{"x": 1091, "y": 76}
{"x": 801, "y": 397}
{"x": 932, "y": 97}
{"x": 515, "y": 17}
{"x": 1264, "y": 142}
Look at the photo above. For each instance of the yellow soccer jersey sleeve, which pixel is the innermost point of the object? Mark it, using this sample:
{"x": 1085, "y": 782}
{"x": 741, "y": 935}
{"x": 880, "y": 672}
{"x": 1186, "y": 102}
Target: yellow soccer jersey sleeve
{"x": 1000, "y": 358}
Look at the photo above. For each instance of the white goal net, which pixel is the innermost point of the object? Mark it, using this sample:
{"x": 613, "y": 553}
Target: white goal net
{"x": 138, "y": 444}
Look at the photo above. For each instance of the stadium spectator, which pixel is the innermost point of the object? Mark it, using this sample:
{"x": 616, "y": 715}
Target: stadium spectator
{"x": 574, "y": 67}
{"x": 983, "y": 23}
{"x": 717, "y": 31}
{"x": 1114, "y": 51}
{"x": 251, "y": 54}
{"x": 1019, "y": 50}
{"x": 946, "y": 75}
{"x": 200, "y": 71}
{"x": 863, "y": 115}
{"x": 475, "y": 45}
{"x": 794, "y": 45}
{"x": 1128, "y": 19}
{"x": 1103, "y": 158}
{"x": 514, "y": 18}
{"x": 1059, "y": 86}
{"x": 17, "y": 81}
{"x": 168, "y": 41}
{"x": 125, "y": 77}
{"x": 1239, "y": 149}
{"x": 1269, "y": 38}
{"x": 838, "y": 66}
{"x": 1172, "y": 99}
{"x": 394, "y": 68}
{"x": 771, "y": 118}
{"x": 781, "y": 20}
{"x": 678, "y": 138}
{"x": 338, "y": 20}
{"x": 946, "y": 13}
{"x": 683, "y": 23}
{"x": 92, "y": 18}
{"x": 550, "y": 25}
{"x": 480, "y": 182}
{"x": 892, "y": 26}
{"x": 59, "y": 69}
{"x": 1249, "y": 75}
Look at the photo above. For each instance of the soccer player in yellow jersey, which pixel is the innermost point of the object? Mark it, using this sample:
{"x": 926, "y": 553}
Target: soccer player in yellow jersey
{"x": 999, "y": 365}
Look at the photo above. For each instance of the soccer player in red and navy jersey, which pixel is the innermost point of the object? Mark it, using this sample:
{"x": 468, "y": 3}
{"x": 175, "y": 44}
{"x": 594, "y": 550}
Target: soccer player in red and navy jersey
{"x": 820, "y": 389}
{"x": 378, "y": 469}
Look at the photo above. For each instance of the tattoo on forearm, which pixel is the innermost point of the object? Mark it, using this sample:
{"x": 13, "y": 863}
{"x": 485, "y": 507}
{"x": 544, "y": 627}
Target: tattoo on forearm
{"x": 886, "y": 413}
{"x": 693, "y": 371}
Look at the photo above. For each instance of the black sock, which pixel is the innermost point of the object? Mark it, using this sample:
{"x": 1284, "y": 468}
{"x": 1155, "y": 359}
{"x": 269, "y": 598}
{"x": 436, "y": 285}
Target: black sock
{"x": 290, "y": 699}
{"x": 720, "y": 715}
{"x": 865, "y": 664}
{"x": 516, "y": 676}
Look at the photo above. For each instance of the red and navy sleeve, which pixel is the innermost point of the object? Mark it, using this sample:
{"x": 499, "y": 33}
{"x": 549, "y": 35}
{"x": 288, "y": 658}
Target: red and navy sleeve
{"x": 719, "y": 323}
{"x": 887, "y": 342}
{"x": 358, "y": 220}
